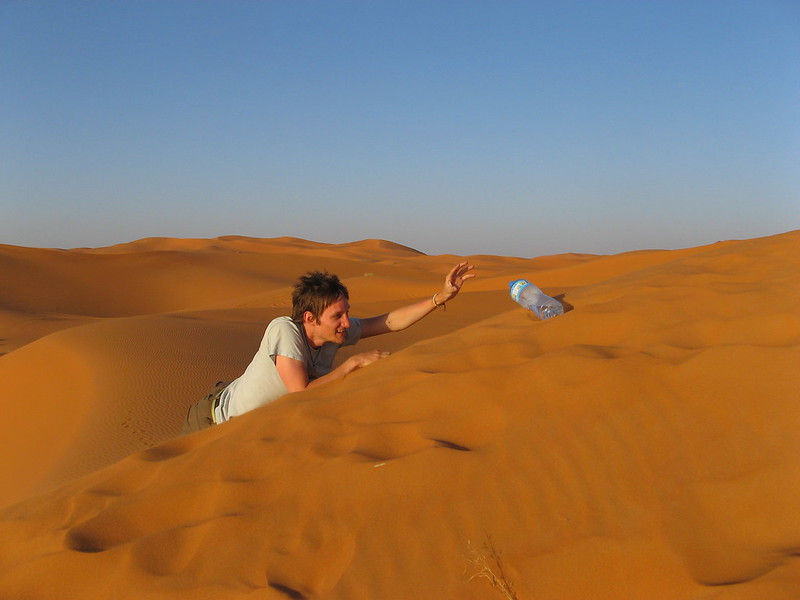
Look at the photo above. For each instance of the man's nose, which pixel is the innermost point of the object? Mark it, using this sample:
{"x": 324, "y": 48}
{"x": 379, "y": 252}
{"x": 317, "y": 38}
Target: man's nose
{"x": 346, "y": 321}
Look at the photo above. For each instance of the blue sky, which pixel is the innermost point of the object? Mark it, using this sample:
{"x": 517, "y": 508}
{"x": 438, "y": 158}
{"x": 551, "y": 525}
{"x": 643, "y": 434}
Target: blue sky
{"x": 510, "y": 128}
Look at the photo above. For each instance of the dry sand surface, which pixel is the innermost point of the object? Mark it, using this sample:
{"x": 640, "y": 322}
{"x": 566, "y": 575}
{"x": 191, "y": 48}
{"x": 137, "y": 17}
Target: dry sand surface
{"x": 645, "y": 445}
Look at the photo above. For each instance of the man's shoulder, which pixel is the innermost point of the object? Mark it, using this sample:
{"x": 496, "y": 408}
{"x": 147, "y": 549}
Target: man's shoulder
{"x": 282, "y": 326}
{"x": 284, "y": 337}
{"x": 284, "y": 320}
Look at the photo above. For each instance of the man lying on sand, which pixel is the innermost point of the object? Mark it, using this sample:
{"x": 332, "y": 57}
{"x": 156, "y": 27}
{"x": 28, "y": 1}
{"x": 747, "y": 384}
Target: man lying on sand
{"x": 297, "y": 352}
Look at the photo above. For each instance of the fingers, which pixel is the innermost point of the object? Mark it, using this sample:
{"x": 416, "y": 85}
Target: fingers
{"x": 459, "y": 274}
{"x": 359, "y": 361}
{"x": 370, "y": 357}
{"x": 465, "y": 272}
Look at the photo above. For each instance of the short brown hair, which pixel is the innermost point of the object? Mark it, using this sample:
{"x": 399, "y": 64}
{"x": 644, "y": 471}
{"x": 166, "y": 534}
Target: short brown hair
{"x": 315, "y": 291}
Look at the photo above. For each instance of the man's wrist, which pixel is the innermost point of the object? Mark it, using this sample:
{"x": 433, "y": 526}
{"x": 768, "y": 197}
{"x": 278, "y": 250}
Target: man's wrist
{"x": 437, "y": 304}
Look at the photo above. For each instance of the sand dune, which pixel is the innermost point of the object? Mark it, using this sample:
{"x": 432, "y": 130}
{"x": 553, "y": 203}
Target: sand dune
{"x": 642, "y": 446}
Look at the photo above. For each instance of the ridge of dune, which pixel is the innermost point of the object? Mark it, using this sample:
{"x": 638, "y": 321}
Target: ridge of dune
{"x": 642, "y": 446}
{"x": 239, "y": 243}
{"x": 373, "y": 244}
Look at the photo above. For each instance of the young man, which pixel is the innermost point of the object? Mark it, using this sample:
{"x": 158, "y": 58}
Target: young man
{"x": 297, "y": 352}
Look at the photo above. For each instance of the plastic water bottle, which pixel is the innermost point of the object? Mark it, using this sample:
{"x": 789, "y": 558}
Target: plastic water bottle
{"x": 531, "y": 297}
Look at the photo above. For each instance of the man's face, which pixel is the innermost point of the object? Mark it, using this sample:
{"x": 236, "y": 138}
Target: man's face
{"x": 333, "y": 323}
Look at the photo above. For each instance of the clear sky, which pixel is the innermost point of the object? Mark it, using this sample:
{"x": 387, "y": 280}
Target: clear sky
{"x": 495, "y": 127}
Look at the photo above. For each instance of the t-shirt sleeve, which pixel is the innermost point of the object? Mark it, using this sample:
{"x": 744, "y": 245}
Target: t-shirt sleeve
{"x": 353, "y": 333}
{"x": 283, "y": 339}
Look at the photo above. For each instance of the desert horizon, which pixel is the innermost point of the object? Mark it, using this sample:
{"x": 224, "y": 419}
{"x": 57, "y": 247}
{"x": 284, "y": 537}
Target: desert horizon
{"x": 643, "y": 445}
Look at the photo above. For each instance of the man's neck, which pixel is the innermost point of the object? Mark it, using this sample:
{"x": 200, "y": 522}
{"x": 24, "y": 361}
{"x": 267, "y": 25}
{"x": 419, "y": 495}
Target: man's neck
{"x": 312, "y": 343}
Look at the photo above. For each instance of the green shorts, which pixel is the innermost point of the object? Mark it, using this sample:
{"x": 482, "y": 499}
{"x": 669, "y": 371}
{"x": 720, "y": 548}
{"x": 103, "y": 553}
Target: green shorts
{"x": 201, "y": 414}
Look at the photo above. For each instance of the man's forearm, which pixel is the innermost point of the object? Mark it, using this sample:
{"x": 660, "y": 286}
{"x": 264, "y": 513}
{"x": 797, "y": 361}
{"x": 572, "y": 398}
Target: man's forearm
{"x": 404, "y": 317}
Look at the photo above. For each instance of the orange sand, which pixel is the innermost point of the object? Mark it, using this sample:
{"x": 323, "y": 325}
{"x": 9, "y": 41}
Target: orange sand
{"x": 646, "y": 445}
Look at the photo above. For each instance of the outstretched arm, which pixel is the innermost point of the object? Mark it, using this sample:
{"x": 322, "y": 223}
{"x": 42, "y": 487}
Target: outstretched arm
{"x": 406, "y": 316}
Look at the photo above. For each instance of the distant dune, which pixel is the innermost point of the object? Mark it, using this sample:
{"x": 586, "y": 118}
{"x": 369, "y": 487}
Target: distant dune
{"x": 645, "y": 445}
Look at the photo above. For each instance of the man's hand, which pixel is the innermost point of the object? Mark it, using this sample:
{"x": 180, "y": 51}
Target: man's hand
{"x": 357, "y": 361}
{"x": 453, "y": 282}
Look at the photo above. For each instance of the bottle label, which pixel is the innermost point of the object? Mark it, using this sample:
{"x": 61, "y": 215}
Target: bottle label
{"x": 517, "y": 287}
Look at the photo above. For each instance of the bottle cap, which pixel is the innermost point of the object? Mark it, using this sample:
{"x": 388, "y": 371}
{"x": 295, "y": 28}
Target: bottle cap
{"x": 517, "y": 286}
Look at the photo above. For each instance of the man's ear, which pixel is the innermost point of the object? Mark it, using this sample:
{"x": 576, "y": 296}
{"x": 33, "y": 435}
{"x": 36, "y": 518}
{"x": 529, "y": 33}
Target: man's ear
{"x": 308, "y": 317}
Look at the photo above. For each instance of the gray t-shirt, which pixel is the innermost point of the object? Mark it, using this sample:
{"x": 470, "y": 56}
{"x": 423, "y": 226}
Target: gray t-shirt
{"x": 261, "y": 383}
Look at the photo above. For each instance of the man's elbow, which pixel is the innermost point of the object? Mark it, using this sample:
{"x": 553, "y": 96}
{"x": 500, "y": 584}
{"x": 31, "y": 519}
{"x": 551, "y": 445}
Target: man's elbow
{"x": 377, "y": 326}
{"x": 391, "y": 325}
